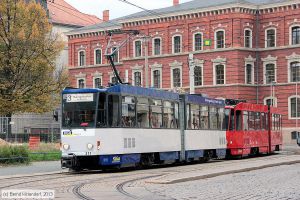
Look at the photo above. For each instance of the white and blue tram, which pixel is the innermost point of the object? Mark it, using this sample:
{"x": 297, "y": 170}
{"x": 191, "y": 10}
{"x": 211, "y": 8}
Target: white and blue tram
{"x": 128, "y": 126}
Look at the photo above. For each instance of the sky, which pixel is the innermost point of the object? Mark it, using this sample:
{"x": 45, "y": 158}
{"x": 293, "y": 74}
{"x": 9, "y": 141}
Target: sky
{"x": 116, "y": 7}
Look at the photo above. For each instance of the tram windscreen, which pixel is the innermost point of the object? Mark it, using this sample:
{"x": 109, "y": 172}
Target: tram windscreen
{"x": 78, "y": 110}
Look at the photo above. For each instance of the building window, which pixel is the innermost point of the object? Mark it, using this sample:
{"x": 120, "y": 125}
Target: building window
{"x": 295, "y": 35}
{"x": 248, "y": 38}
{"x": 249, "y": 74}
{"x": 137, "y": 78}
{"x": 270, "y": 101}
{"x": 157, "y": 46}
{"x": 81, "y": 58}
{"x": 294, "y": 107}
{"x": 98, "y": 57}
{"x": 81, "y": 83}
{"x": 156, "y": 78}
{"x": 198, "y": 42}
{"x": 198, "y": 75}
{"x": 138, "y": 48}
{"x": 177, "y": 44}
{"x": 176, "y": 77}
{"x": 295, "y": 71}
{"x": 270, "y": 73}
{"x": 270, "y": 37}
{"x": 97, "y": 82}
{"x": 220, "y": 39}
{"x": 220, "y": 74}
{"x": 114, "y": 80}
{"x": 115, "y": 55}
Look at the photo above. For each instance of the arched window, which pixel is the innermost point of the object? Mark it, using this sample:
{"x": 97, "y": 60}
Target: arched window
{"x": 198, "y": 75}
{"x": 81, "y": 58}
{"x": 295, "y": 72}
{"x": 220, "y": 74}
{"x": 177, "y": 44}
{"x": 220, "y": 39}
{"x": 98, "y": 57}
{"x": 137, "y": 78}
{"x": 138, "y": 48}
{"x": 176, "y": 77}
{"x": 248, "y": 38}
{"x": 270, "y": 37}
{"x": 272, "y": 101}
{"x": 270, "y": 73}
{"x": 294, "y": 107}
{"x": 81, "y": 83}
{"x": 198, "y": 42}
{"x": 295, "y": 35}
{"x": 156, "y": 78}
{"x": 97, "y": 82}
{"x": 114, "y": 80}
{"x": 157, "y": 46}
{"x": 116, "y": 54}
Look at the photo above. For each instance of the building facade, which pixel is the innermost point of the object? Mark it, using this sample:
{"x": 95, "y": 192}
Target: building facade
{"x": 227, "y": 49}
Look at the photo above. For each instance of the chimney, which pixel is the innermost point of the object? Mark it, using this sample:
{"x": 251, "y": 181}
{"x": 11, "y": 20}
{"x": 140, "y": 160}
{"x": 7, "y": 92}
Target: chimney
{"x": 106, "y": 15}
{"x": 175, "y": 2}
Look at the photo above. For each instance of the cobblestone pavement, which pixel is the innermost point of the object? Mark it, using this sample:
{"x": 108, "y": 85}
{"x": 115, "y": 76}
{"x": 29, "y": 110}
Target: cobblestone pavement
{"x": 274, "y": 183}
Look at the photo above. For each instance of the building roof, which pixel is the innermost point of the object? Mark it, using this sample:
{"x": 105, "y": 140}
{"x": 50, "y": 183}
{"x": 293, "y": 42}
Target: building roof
{"x": 60, "y": 12}
{"x": 180, "y": 8}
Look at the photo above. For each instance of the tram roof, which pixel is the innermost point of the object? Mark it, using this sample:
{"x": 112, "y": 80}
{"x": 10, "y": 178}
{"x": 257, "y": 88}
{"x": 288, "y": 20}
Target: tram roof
{"x": 204, "y": 100}
{"x": 128, "y": 90}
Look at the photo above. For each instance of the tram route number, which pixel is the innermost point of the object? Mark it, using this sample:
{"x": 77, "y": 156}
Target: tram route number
{"x": 27, "y": 194}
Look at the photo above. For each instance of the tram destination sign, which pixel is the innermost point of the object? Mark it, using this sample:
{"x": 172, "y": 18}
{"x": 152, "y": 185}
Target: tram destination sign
{"x": 86, "y": 97}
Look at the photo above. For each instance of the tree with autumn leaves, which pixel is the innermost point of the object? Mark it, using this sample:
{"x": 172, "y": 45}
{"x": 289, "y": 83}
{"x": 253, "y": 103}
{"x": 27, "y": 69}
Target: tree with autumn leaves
{"x": 29, "y": 78}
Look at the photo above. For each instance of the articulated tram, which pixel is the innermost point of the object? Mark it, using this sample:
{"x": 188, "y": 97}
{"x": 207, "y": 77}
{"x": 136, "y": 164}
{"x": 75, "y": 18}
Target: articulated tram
{"x": 124, "y": 126}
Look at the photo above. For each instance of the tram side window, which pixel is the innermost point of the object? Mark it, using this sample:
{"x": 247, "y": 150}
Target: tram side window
{"x": 232, "y": 121}
{"x": 213, "y": 118}
{"x": 176, "y": 121}
{"x": 142, "y": 112}
{"x": 156, "y": 113}
{"x": 257, "y": 121}
{"x": 226, "y": 119}
{"x": 101, "y": 115}
{"x": 128, "y": 111}
{"x": 188, "y": 118}
{"x": 168, "y": 120}
{"x": 245, "y": 121}
{"x": 273, "y": 122}
{"x": 263, "y": 121}
{"x": 220, "y": 118}
{"x": 195, "y": 118}
{"x": 113, "y": 110}
{"x": 251, "y": 121}
{"x": 238, "y": 118}
{"x": 204, "y": 120}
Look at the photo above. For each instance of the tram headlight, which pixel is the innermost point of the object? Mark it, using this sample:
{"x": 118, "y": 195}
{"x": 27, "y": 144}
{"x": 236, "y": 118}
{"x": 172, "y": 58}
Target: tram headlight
{"x": 66, "y": 146}
{"x": 90, "y": 146}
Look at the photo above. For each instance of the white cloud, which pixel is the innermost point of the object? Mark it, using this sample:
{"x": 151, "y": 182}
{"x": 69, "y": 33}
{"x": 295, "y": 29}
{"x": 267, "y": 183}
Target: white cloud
{"x": 116, "y": 7}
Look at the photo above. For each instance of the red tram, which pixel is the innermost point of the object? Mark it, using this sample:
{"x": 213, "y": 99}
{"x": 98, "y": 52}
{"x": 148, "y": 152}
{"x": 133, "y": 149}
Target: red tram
{"x": 253, "y": 129}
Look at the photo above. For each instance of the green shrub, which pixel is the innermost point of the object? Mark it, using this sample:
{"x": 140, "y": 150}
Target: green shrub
{"x": 14, "y": 154}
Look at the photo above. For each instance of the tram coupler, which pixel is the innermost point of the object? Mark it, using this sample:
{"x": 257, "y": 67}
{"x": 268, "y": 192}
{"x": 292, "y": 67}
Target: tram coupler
{"x": 69, "y": 161}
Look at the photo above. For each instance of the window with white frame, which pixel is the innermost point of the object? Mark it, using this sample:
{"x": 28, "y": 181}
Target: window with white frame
{"x": 156, "y": 46}
{"x": 198, "y": 41}
{"x": 156, "y": 78}
{"x": 81, "y": 58}
{"x": 248, "y": 38}
{"x": 137, "y": 78}
{"x": 98, "y": 56}
{"x": 81, "y": 83}
{"x": 249, "y": 74}
{"x": 295, "y": 72}
{"x": 272, "y": 101}
{"x": 137, "y": 48}
{"x": 198, "y": 73}
{"x": 97, "y": 82}
{"x": 219, "y": 74}
{"x": 294, "y": 107}
{"x": 270, "y": 37}
{"x": 270, "y": 75}
{"x": 220, "y": 39}
{"x": 113, "y": 80}
{"x": 295, "y": 35}
{"x": 116, "y": 54}
{"x": 176, "y": 77}
{"x": 177, "y": 44}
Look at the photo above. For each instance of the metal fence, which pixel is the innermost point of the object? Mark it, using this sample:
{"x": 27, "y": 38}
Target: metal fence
{"x": 20, "y": 128}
